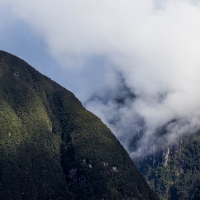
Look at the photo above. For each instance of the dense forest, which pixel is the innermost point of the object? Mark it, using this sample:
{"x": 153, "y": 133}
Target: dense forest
{"x": 173, "y": 171}
{"x": 51, "y": 147}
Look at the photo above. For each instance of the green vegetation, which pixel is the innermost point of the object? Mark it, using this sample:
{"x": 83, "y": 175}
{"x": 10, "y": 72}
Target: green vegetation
{"x": 51, "y": 147}
{"x": 178, "y": 179}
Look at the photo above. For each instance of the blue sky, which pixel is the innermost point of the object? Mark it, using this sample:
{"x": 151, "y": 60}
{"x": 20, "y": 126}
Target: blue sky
{"x": 17, "y": 38}
{"x": 85, "y": 45}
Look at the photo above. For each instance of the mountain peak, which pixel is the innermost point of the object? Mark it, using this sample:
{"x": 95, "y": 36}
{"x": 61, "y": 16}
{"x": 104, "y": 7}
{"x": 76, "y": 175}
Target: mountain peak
{"x": 53, "y": 148}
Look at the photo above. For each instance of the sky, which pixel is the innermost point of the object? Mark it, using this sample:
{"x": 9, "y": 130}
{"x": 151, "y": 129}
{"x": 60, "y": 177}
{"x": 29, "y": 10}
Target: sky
{"x": 134, "y": 63}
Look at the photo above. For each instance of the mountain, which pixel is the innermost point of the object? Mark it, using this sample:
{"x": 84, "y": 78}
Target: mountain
{"x": 51, "y": 147}
{"x": 173, "y": 171}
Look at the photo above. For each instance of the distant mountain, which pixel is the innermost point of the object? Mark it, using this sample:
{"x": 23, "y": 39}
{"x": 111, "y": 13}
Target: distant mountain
{"x": 51, "y": 147}
{"x": 174, "y": 171}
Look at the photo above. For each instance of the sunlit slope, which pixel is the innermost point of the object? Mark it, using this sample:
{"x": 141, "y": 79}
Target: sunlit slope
{"x": 53, "y": 148}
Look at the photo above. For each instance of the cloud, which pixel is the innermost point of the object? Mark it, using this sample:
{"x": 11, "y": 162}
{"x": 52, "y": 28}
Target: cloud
{"x": 153, "y": 45}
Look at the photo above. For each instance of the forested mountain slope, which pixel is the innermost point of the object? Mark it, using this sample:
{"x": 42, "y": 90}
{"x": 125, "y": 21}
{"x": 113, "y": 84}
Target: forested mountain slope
{"x": 174, "y": 171}
{"x": 51, "y": 147}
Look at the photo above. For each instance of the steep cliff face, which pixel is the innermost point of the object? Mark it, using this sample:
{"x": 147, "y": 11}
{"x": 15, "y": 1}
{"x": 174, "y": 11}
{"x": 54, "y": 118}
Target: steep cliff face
{"x": 51, "y": 147}
{"x": 173, "y": 171}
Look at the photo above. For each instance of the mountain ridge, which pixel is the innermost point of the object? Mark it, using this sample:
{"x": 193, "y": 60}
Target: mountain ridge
{"x": 53, "y": 148}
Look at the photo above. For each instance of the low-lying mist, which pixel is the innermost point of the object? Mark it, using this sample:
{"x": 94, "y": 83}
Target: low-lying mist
{"x": 139, "y": 120}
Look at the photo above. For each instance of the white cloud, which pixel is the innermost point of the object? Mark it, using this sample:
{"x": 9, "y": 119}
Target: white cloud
{"x": 155, "y": 45}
